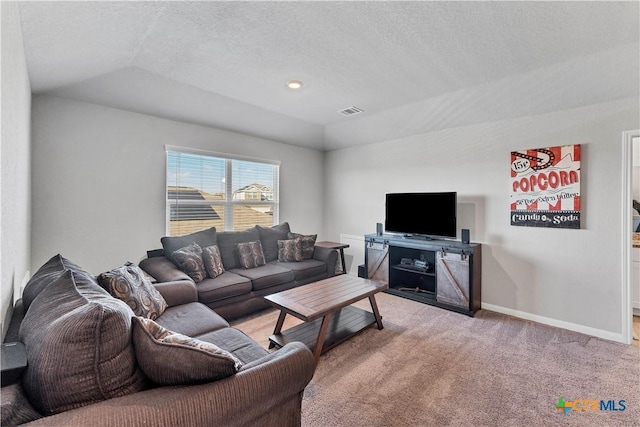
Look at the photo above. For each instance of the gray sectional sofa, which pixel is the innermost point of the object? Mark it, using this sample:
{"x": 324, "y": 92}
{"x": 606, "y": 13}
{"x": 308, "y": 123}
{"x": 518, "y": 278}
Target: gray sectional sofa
{"x": 166, "y": 360}
{"x": 240, "y": 291}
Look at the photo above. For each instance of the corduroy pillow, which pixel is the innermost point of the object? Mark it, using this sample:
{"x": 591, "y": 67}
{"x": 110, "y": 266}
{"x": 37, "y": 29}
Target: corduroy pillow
{"x": 130, "y": 284}
{"x": 250, "y": 254}
{"x": 169, "y": 358}
{"x": 46, "y": 274}
{"x": 269, "y": 237}
{"x": 289, "y": 250}
{"x": 308, "y": 242}
{"x": 189, "y": 260}
{"x": 228, "y": 241}
{"x": 212, "y": 261}
{"x": 170, "y": 244}
{"x": 79, "y": 348}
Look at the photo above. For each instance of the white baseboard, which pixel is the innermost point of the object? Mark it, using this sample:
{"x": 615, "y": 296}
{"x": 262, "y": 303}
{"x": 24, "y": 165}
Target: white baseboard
{"x": 599, "y": 333}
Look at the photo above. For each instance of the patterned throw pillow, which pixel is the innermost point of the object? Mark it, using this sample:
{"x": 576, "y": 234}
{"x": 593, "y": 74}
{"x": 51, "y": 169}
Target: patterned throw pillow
{"x": 212, "y": 261}
{"x": 290, "y": 250}
{"x": 250, "y": 254}
{"x": 129, "y": 284}
{"x": 168, "y": 358}
{"x": 189, "y": 260}
{"x": 308, "y": 242}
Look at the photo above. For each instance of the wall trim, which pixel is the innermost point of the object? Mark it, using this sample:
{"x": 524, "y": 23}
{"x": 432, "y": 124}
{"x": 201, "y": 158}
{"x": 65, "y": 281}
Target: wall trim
{"x": 627, "y": 299}
{"x": 598, "y": 333}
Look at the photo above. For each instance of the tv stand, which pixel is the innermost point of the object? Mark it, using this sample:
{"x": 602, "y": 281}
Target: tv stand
{"x": 450, "y": 279}
{"x": 417, "y": 237}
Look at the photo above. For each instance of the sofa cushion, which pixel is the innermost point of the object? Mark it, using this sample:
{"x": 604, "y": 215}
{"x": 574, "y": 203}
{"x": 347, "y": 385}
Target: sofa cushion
{"x": 266, "y": 276}
{"x": 269, "y": 237}
{"x": 16, "y": 409}
{"x": 167, "y": 357}
{"x": 191, "y": 319}
{"x": 46, "y": 274}
{"x": 250, "y": 254}
{"x": 290, "y": 250}
{"x": 305, "y": 270}
{"x": 308, "y": 242}
{"x": 189, "y": 260}
{"x": 203, "y": 238}
{"x": 227, "y": 242}
{"x": 212, "y": 261}
{"x": 226, "y": 285}
{"x": 236, "y": 342}
{"x": 78, "y": 341}
{"x": 130, "y": 284}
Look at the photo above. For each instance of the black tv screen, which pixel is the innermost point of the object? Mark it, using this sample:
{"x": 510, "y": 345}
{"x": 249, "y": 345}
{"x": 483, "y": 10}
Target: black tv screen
{"x": 428, "y": 214}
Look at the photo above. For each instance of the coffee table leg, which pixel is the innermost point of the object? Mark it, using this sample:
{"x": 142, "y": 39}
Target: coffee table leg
{"x": 321, "y": 335}
{"x": 376, "y": 313}
{"x": 278, "y": 327}
{"x": 344, "y": 265}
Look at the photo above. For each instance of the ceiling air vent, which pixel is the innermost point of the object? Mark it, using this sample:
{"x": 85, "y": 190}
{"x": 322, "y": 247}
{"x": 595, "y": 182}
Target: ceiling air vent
{"x": 350, "y": 111}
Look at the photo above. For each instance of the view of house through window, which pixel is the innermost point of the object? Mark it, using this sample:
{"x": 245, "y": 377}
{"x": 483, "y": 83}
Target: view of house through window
{"x": 228, "y": 193}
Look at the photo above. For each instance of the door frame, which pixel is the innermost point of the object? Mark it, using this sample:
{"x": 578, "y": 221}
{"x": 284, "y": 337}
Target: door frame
{"x": 627, "y": 228}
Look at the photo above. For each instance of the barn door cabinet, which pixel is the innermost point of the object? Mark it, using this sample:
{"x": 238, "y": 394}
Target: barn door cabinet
{"x": 443, "y": 273}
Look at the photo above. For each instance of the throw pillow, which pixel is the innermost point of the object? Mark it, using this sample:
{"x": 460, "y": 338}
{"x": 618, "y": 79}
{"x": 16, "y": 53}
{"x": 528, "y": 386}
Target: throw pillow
{"x": 130, "y": 284}
{"x": 290, "y": 250}
{"x": 79, "y": 348}
{"x": 308, "y": 242}
{"x": 169, "y": 358}
{"x": 250, "y": 254}
{"x": 189, "y": 260}
{"x": 212, "y": 261}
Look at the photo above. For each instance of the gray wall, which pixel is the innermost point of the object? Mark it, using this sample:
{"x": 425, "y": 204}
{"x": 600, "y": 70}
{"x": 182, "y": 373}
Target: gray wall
{"x": 99, "y": 180}
{"x": 569, "y": 278}
{"x": 15, "y": 188}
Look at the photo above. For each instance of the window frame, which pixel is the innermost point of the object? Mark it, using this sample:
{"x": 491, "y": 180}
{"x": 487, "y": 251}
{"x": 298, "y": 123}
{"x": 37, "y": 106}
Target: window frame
{"x": 228, "y": 203}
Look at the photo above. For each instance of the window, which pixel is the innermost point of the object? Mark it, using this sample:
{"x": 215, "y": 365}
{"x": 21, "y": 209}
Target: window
{"x": 208, "y": 190}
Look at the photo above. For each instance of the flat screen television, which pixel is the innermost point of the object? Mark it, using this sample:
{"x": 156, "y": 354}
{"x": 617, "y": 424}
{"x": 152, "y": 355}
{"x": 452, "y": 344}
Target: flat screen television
{"x": 423, "y": 214}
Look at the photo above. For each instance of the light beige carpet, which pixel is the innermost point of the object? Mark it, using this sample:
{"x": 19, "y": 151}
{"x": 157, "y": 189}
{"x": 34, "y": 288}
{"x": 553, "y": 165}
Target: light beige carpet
{"x": 432, "y": 367}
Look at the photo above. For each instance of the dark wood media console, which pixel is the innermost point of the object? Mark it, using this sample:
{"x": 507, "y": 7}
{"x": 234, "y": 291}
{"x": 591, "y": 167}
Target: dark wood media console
{"x": 443, "y": 273}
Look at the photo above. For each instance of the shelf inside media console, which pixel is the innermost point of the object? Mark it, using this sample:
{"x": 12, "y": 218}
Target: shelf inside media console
{"x": 415, "y": 293}
{"x": 413, "y": 269}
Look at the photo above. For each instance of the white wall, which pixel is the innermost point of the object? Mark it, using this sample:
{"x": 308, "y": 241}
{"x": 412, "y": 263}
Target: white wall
{"x": 15, "y": 207}
{"x": 99, "y": 180}
{"x": 570, "y": 278}
{"x": 635, "y": 173}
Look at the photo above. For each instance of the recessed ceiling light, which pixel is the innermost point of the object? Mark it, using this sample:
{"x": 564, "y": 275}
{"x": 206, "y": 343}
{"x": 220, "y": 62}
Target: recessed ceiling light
{"x": 294, "y": 84}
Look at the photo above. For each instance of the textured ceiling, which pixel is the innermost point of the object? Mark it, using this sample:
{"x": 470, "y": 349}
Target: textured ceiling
{"x": 224, "y": 64}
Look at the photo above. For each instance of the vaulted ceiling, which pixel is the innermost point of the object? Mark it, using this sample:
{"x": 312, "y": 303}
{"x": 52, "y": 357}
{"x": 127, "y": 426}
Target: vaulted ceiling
{"x": 411, "y": 66}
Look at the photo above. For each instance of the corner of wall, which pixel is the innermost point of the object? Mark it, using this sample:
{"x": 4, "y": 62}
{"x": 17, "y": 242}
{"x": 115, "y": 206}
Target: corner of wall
{"x": 15, "y": 162}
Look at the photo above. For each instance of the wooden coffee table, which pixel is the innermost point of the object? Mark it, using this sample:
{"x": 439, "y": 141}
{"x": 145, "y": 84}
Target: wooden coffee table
{"x": 325, "y": 307}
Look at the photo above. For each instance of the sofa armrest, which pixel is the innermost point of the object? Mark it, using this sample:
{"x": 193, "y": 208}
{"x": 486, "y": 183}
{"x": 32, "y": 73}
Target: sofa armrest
{"x": 330, "y": 256}
{"x": 178, "y": 292}
{"x": 267, "y": 393}
{"x": 163, "y": 270}
{"x": 175, "y": 286}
